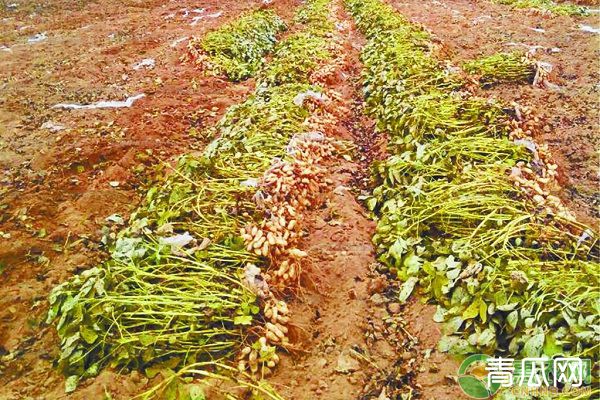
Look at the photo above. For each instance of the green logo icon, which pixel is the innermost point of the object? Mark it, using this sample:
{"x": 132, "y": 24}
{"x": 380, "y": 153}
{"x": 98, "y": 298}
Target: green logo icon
{"x": 472, "y": 378}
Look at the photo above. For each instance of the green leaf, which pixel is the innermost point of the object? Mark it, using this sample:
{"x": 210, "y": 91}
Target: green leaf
{"x": 473, "y": 387}
{"x": 116, "y": 219}
{"x": 482, "y": 311}
{"x": 458, "y": 295}
{"x": 71, "y": 383}
{"x": 197, "y": 393}
{"x": 453, "y": 325}
{"x": 93, "y": 370}
{"x": 52, "y": 313}
{"x": 413, "y": 264}
{"x": 171, "y": 391}
{"x": 529, "y": 322}
{"x": 165, "y": 368}
{"x": 398, "y": 248}
{"x": 454, "y": 345}
{"x": 69, "y": 345}
{"x": 451, "y": 263}
{"x": 88, "y": 334}
{"x": 407, "y": 289}
{"x": 513, "y": 346}
{"x": 371, "y": 203}
{"x": 440, "y": 314}
{"x": 147, "y": 339}
{"x": 438, "y": 284}
{"x": 243, "y": 320}
{"x": 551, "y": 346}
{"x": 453, "y": 273}
{"x": 472, "y": 311}
{"x": 513, "y": 319}
{"x": 440, "y": 264}
{"x": 533, "y": 346}
{"x": 486, "y": 338}
{"x": 99, "y": 287}
{"x": 128, "y": 249}
{"x": 507, "y": 307}
{"x": 68, "y": 304}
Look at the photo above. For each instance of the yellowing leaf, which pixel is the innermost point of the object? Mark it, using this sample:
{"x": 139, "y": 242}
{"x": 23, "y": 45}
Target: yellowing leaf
{"x": 472, "y": 311}
{"x": 243, "y": 320}
{"x": 482, "y": 311}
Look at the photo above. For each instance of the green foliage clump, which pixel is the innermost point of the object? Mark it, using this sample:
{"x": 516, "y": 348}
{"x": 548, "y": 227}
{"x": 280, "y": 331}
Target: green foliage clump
{"x": 237, "y": 49}
{"x": 296, "y": 58}
{"x": 506, "y": 273}
{"x": 154, "y": 304}
{"x": 501, "y": 67}
{"x": 300, "y": 54}
{"x": 315, "y": 14}
{"x": 547, "y": 5}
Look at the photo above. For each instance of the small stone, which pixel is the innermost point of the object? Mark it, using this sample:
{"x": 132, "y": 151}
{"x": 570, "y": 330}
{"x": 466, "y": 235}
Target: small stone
{"x": 321, "y": 362}
{"x": 376, "y": 285}
{"x": 340, "y": 190}
{"x": 346, "y": 363}
{"x": 377, "y": 299}
{"x": 135, "y": 376}
{"x": 383, "y": 395}
{"x": 320, "y": 223}
{"x": 394, "y": 308}
{"x": 323, "y": 385}
{"x": 49, "y": 381}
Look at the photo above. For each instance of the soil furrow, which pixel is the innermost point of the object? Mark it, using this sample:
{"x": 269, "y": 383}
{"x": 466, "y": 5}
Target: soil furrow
{"x": 348, "y": 345}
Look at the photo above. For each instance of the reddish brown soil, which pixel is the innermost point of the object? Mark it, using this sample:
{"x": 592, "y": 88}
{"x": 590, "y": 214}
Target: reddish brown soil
{"x": 347, "y": 318}
{"x": 470, "y": 29}
{"x": 55, "y": 190}
{"x": 348, "y": 340}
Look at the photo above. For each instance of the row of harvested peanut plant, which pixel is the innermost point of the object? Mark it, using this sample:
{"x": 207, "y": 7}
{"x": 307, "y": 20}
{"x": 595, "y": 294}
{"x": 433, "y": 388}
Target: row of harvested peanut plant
{"x": 463, "y": 205}
{"x": 194, "y": 283}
